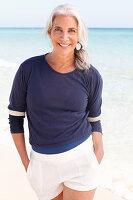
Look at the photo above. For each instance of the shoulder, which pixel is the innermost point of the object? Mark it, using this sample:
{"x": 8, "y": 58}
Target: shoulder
{"x": 31, "y": 61}
{"x": 26, "y": 67}
{"x": 93, "y": 72}
{"x": 94, "y": 75}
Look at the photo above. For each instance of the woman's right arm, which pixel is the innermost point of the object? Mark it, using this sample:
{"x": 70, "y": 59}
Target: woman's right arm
{"x": 17, "y": 108}
{"x": 19, "y": 141}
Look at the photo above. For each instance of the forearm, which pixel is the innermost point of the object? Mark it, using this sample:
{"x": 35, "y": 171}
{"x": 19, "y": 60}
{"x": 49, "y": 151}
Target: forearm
{"x": 97, "y": 139}
{"x": 19, "y": 142}
{"x": 98, "y": 145}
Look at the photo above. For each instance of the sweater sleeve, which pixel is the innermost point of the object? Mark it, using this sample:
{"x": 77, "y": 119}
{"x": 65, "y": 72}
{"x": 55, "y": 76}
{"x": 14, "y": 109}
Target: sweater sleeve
{"x": 17, "y": 101}
{"x": 95, "y": 101}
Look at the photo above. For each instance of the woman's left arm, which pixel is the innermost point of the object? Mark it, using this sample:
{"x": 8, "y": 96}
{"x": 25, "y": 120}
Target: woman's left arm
{"x": 94, "y": 109}
{"x": 98, "y": 145}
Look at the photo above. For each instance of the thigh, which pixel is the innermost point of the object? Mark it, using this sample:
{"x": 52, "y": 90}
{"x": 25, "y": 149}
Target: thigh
{"x": 70, "y": 194}
{"x": 59, "y": 197}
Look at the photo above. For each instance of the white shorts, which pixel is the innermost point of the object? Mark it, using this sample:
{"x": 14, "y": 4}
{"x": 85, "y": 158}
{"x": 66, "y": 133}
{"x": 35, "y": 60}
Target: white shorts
{"x": 77, "y": 168}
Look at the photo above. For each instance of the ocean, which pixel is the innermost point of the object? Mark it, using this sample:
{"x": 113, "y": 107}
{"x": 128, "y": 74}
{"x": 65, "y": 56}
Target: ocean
{"x": 111, "y": 52}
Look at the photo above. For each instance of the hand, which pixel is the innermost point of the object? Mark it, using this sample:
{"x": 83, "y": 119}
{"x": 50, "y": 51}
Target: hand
{"x": 26, "y": 164}
{"x": 99, "y": 152}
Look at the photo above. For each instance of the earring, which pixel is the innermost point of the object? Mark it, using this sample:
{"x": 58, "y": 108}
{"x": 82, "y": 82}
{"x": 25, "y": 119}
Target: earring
{"x": 78, "y": 46}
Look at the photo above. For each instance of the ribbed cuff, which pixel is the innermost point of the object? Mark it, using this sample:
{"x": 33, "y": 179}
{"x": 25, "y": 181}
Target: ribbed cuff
{"x": 96, "y": 126}
{"x": 16, "y": 124}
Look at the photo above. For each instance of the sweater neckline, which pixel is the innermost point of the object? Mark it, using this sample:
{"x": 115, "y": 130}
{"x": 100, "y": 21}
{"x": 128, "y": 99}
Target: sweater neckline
{"x": 67, "y": 73}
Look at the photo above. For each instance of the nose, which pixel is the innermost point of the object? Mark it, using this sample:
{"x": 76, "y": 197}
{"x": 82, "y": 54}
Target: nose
{"x": 64, "y": 36}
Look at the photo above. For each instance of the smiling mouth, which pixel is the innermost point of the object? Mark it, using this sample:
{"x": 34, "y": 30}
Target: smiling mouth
{"x": 64, "y": 45}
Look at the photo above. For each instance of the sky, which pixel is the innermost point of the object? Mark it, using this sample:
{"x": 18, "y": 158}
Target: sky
{"x": 96, "y": 13}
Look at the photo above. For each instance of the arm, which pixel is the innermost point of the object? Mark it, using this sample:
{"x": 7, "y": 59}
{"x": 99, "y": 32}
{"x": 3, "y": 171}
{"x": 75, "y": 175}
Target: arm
{"x": 98, "y": 145}
{"x": 17, "y": 109}
{"x": 19, "y": 142}
{"x": 94, "y": 108}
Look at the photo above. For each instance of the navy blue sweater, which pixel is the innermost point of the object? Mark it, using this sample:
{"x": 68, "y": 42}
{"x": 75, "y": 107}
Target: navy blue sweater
{"x": 63, "y": 109}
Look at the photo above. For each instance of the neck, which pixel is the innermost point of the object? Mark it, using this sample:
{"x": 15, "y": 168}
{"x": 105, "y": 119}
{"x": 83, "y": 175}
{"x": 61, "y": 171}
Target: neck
{"x": 66, "y": 60}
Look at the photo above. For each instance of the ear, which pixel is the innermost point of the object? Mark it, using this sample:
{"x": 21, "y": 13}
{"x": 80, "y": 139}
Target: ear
{"x": 49, "y": 34}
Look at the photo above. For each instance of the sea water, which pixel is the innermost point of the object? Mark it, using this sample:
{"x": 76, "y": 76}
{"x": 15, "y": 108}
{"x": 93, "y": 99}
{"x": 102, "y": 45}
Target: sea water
{"x": 111, "y": 52}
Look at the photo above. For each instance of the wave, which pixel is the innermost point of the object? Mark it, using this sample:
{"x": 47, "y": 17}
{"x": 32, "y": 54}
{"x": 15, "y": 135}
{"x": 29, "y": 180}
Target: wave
{"x": 5, "y": 63}
{"x": 115, "y": 182}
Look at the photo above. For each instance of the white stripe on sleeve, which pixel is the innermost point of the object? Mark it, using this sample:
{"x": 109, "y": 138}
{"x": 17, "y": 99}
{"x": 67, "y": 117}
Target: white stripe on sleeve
{"x": 16, "y": 113}
{"x": 94, "y": 119}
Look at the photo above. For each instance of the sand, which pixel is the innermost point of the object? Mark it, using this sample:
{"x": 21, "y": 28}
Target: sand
{"x": 14, "y": 184}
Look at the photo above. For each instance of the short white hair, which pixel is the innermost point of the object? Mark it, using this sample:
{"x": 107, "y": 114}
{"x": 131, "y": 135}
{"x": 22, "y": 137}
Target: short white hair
{"x": 81, "y": 56}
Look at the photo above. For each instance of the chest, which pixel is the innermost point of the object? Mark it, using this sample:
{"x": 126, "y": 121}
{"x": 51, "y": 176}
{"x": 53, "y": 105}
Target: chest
{"x": 57, "y": 92}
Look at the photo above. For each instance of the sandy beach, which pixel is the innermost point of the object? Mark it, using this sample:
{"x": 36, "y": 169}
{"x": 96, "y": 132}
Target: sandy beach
{"x": 117, "y": 73}
{"x": 14, "y": 184}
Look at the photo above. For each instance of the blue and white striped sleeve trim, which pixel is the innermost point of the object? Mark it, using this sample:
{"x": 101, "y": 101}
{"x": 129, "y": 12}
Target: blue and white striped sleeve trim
{"x": 95, "y": 124}
{"x": 94, "y": 119}
{"x": 16, "y": 113}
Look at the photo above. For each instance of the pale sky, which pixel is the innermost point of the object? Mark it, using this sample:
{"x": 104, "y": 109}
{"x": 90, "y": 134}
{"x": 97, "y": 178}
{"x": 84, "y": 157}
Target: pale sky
{"x": 97, "y": 13}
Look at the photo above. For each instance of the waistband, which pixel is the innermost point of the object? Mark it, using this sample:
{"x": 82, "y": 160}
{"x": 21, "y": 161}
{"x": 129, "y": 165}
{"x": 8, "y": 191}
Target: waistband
{"x": 82, "y": 148}
{"x": 60, "y": 149}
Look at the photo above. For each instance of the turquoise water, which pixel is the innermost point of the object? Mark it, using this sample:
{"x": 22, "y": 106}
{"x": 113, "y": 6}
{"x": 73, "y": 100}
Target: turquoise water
{"x": 111, "y": 52}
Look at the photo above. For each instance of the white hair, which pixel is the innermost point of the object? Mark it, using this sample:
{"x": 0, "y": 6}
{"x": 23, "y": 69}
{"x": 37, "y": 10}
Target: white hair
{"x": 81, "y": 56}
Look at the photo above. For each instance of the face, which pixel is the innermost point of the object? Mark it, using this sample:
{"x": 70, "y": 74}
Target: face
{"x": 64, "y": 34}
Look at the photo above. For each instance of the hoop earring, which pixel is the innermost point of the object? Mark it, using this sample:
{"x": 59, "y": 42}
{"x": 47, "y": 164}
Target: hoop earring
{"x": 78, "y": 46}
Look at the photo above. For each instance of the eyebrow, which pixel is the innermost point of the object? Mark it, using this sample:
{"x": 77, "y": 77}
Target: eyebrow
{"x": 68, "y": 28}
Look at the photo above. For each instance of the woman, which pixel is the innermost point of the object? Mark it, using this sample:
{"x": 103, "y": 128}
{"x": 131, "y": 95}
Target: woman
{"x": 61, "y": 95}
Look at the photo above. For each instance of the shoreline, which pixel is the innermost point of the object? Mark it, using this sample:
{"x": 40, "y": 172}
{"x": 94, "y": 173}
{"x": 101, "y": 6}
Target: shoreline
{"x": 14, "y": 184}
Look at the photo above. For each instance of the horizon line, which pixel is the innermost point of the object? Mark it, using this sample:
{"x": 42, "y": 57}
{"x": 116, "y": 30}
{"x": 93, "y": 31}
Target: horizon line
{"x": 44, "y": 27}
